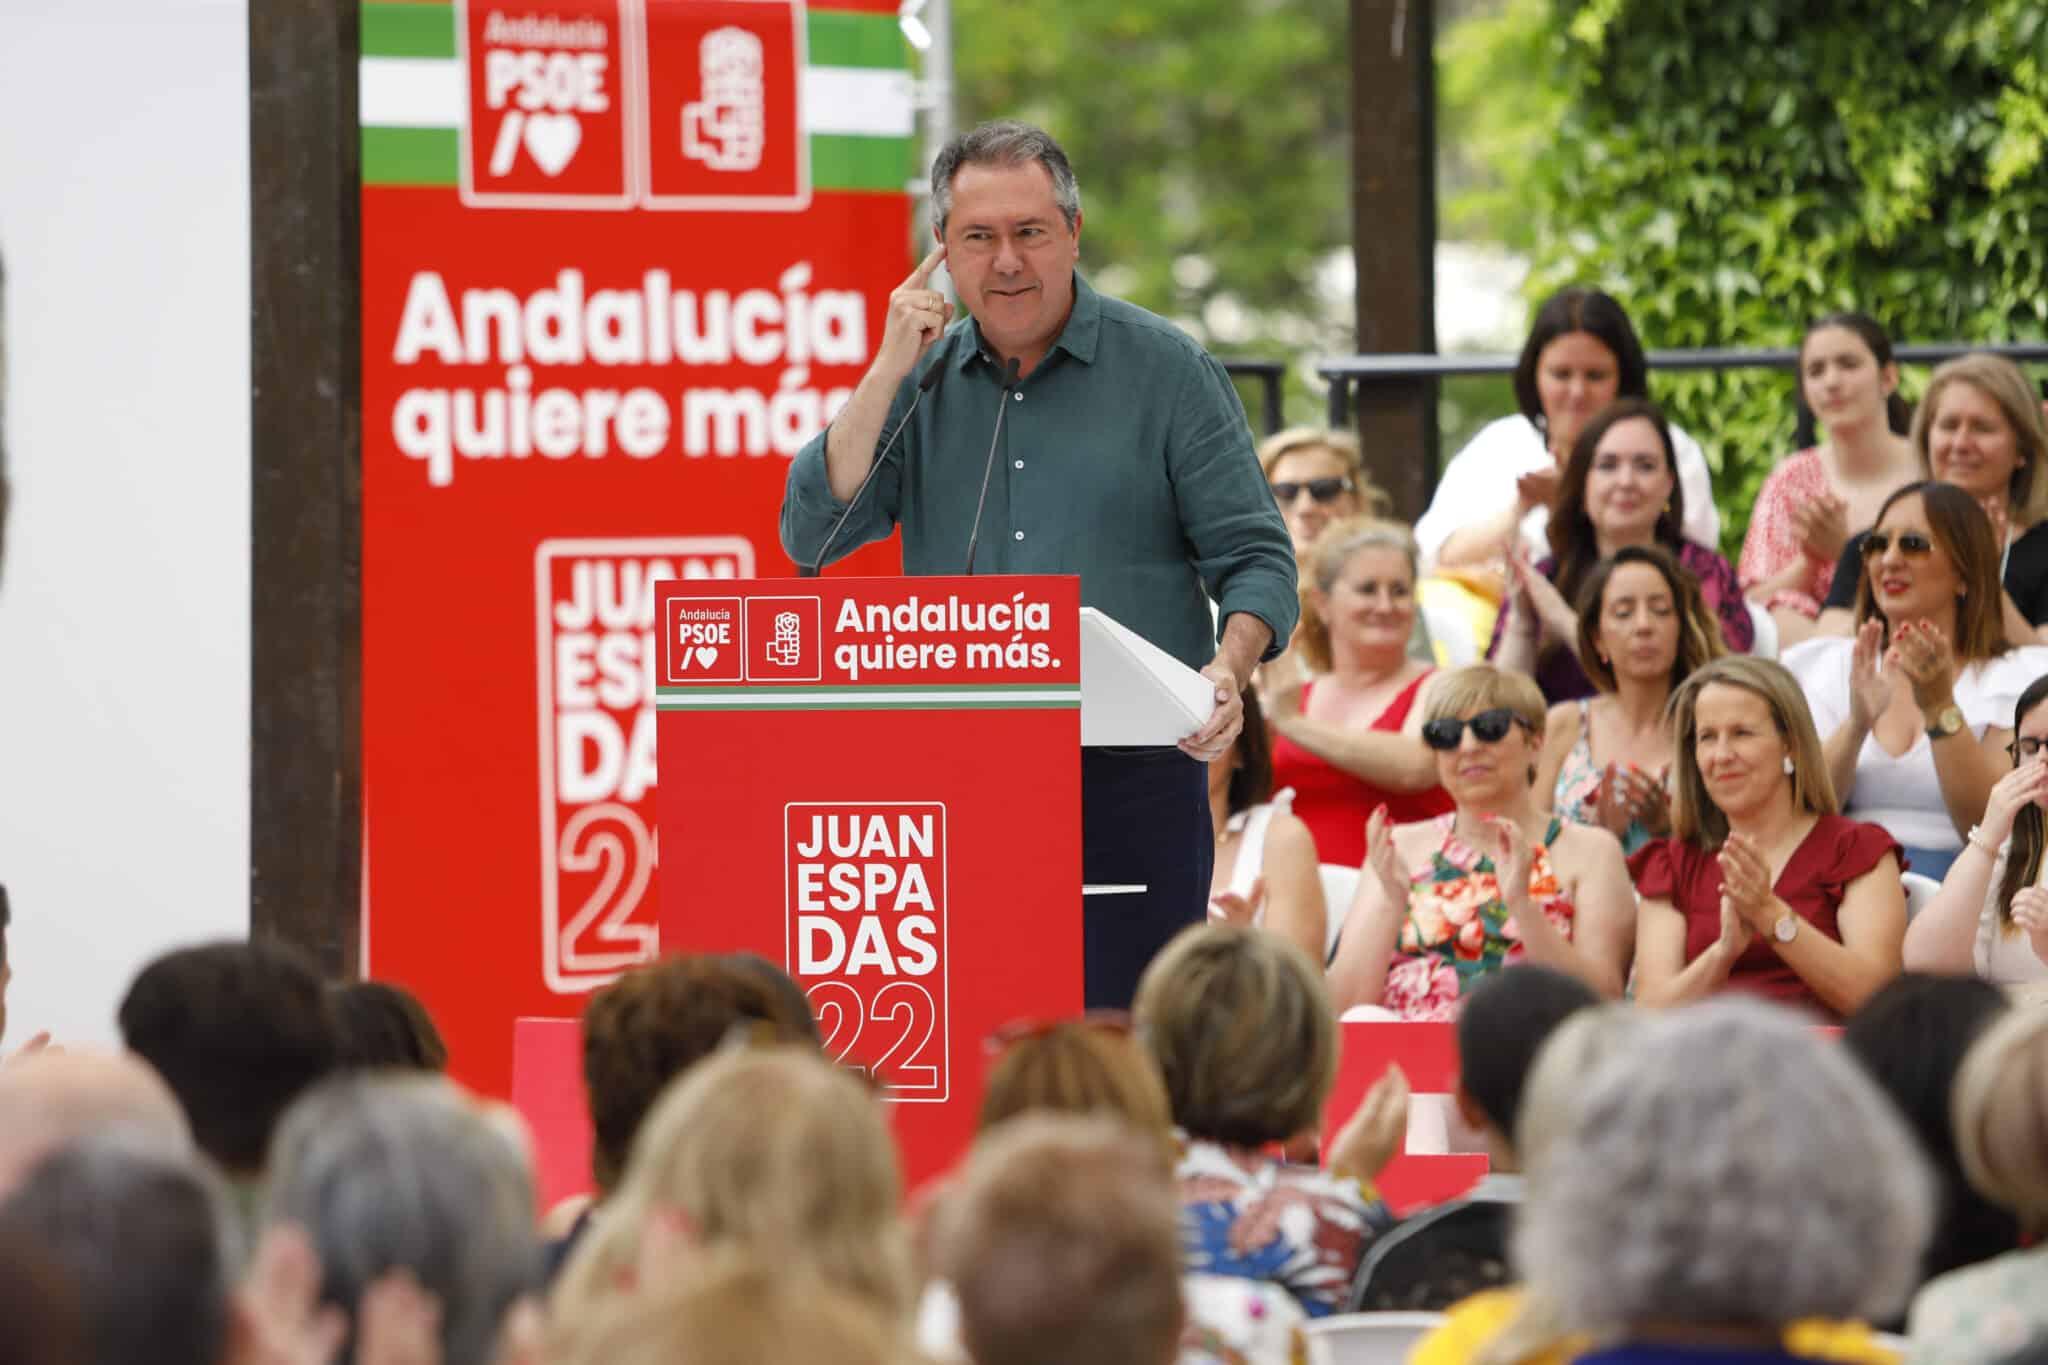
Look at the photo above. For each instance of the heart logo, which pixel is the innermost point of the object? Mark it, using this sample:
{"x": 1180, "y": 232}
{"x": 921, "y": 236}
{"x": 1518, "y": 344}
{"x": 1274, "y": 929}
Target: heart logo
{"x": 707, "y": 655}
{"x": 552, "y": 140}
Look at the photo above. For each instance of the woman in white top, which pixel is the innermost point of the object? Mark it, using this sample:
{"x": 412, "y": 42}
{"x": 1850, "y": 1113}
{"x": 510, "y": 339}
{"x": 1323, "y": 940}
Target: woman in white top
{"x": 1266, "y": 871}
{"x": 1917, "y": 707}
{"x": 1991, "y": 915}
{"x": 1582, "y": 354}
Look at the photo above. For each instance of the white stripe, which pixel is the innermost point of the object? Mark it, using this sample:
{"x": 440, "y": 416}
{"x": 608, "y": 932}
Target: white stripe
{"x": 410, "y": 92}
{"x": 778, "y": 698}
{"x": 862, "y": 101}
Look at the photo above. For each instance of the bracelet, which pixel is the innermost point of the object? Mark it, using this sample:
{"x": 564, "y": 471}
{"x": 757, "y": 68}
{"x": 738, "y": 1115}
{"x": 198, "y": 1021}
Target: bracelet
{"x": 1975, "y": 838}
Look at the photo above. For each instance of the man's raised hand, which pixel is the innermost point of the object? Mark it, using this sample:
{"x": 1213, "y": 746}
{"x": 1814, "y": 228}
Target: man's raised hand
{"x": 917, "y": 317}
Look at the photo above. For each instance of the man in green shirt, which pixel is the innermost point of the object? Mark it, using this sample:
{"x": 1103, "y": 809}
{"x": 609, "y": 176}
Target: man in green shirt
{"x": 1124, "y": 458}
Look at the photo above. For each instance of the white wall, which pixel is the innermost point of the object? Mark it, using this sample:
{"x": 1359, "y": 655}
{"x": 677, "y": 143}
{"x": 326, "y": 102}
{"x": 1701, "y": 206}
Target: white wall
{"x": 124, "y": 610}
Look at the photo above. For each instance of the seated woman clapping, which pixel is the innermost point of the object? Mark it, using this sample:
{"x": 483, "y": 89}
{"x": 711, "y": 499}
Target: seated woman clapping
{"x": 1916, "y": 709}
{"x": 1643, "y": 630}
{"x": 1432, "y": 914}
{"x": 1620, "y": 488}
{"x": 1761, "y": 885}
{"x": 1991, "y": 914}
{"x": 1266, "y": 871}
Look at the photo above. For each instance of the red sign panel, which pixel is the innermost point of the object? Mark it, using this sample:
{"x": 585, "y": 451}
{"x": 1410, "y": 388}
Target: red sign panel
{"x": 724, "y": 125}
{"x": 547, "y": 103}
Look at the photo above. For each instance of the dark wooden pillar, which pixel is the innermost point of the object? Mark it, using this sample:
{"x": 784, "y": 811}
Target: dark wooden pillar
{"x": 1393, "y": 233}
{"x": 305, "y": 775}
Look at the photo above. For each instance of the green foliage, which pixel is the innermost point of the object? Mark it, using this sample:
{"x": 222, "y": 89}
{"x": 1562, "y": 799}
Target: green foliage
{"x": 1211, "y": 134}
{"x": 1732, "y": 168}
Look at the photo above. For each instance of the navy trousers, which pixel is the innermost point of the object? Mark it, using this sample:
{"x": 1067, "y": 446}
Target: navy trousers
{"x": 1144, "y": 820}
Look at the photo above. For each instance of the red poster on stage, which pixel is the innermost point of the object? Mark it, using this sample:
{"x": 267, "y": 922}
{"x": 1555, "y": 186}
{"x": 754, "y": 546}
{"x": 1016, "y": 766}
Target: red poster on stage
{"x": 580, "y": 381}
{"x": 876, "y": 784}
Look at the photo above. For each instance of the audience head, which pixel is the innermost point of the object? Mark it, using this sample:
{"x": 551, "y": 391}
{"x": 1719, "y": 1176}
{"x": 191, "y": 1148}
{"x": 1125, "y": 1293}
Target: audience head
{"x": 1741, "y": 732}
{"x": 657, "y": 1021}
{"x": 39, "y": 1317}
{"x": 145, "y": 1236}
{"x": 1641, "y": 616}
{"x": 1846, "y": 374}
{"x": 2029, "y": 828}
{"x": 1506, "y": 1020}
{"x": 1359, "y": 592}
{"x": 53, "y": 1098}
{"x": 1088, "y": 1065}
{"x": 390, "y": 1171}
{"x": 239, "y": 1030}
{"x": 1731, "y": 1169}
{"x": 1318, "y": 476}
{"x": 1244, "y": 772}
{"x": 1931, "y": 553}
{"x": 734, "y": 1308}
{"x": 1566, "y": 1059}
{"x": 1581, "y": 355}
{"x": 1486, "y": 726}
{"x": 2000, "y": 1112}
{"x": 1244, "y": 1031}
{"x": 1621, "y": 483}
{"x": 1979, "y": 426}
{"x": 385, "y": 1025}
{"x": 768, "y": 1150}
{"x": 1062, "y": 1243}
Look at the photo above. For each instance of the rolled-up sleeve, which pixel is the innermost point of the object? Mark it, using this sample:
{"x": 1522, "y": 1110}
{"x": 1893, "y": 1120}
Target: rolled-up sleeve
{"x": 1240, "y": 545}
{"x": 809, "y": 510}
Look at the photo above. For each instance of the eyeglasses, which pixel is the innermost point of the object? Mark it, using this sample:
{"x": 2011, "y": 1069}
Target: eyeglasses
{"x": 1489, "y": 727}
{"x": 2025, "y": 748}
{"x": 1322, "y": 490}
{"x": 1031, "y": 1030}
{"x": 1910, "y": 543}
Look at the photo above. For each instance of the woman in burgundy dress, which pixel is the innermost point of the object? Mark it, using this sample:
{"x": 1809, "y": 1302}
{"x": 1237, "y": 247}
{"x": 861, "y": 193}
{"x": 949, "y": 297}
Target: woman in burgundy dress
{"x": 1350, "y": 739}
{"x": 1762, "y": 886}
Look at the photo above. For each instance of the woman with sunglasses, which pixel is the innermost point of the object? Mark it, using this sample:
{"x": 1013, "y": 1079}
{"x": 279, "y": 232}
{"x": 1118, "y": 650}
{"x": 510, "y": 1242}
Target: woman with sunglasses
{"x": 1318, "y": 477}
{"x": 1620, "y": 488}
{"x": 1980, "y": 428}
{"x": 1643, "y": 630}
{"x": 1350, "y": 740}
{"x": 1582, "y": 353}
{"x": 1991, "y": 915}
{"x": 1445, "y": 901}
{"x": 1762, "y": 886}
{"x": 1917, "y": 707}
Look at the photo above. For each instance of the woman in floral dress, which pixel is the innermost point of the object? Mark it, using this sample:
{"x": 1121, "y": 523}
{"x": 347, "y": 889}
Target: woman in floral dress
{"x": 1446, "y": 900}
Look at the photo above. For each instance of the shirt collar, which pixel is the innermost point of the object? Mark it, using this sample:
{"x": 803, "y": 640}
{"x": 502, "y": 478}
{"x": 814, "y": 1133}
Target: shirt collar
{"x": 1077, "y": 338}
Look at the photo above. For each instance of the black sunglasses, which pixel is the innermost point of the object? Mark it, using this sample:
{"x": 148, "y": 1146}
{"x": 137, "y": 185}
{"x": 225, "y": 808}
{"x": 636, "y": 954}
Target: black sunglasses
{"x": 1322, "y": 490}
{"x": 1489, "y": 727}
{"x": 1910, "y": 543}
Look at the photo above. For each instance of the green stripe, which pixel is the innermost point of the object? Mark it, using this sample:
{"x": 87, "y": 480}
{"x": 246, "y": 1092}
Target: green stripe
{"x": 839, "y": 38}
{"x": 411, "y": 156}
{"x": 391, "y": 30}
{"x": 843, "y": 162}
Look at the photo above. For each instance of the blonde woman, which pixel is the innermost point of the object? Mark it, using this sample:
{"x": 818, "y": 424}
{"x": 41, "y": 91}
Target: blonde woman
{"x": 772, "y": 1151}
{"x": 1317, "y": 476}
{"x": 1980, "y": 428}
{"x": 1498, "y": 878}
{"x": 1350, "y": 741}
{"x": 1762, "y": 886}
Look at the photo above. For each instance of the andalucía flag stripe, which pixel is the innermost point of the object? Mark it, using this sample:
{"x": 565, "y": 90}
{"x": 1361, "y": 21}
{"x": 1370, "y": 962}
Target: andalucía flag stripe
{"x": 956, "y": 697}
{"x": 857, "y": 98}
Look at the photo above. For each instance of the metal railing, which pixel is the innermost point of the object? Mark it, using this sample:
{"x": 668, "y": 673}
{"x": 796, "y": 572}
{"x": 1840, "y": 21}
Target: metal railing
{"x": 1341, "y": 373}
{"x": 1271, "y": 375}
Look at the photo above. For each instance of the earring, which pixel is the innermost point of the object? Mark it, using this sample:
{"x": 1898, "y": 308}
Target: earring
{"x": 1789, "y": 769}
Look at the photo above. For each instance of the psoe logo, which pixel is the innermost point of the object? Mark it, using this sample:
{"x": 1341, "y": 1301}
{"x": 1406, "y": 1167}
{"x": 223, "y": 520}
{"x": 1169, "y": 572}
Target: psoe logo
{"x": 784, "y": 639}
{"x": 727, "y": 129}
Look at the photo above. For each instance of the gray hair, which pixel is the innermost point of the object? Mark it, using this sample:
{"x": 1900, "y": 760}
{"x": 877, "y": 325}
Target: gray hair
{"x": 1731, "y": 1167}
{"x": 145, "y": 1232}
{"x": 1004, "y": 143}
{"x": 401, "y": 1170}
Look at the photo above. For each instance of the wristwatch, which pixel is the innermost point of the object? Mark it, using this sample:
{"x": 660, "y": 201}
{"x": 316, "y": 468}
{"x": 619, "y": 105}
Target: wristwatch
{"x": 1787, "y": 927}
{"x": 1947, "y": 721}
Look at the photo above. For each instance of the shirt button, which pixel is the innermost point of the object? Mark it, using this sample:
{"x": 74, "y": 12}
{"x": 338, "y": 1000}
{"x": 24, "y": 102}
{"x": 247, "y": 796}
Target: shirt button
{"x": 1020, "y": 464}
{"x": 1020, "y": 535}
{"x": 1018, "y": 396}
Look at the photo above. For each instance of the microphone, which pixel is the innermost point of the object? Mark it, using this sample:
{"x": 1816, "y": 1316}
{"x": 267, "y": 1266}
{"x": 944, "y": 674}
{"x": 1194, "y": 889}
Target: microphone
{"x": 924, "y": 386}
{"x": 1002, "y": 406}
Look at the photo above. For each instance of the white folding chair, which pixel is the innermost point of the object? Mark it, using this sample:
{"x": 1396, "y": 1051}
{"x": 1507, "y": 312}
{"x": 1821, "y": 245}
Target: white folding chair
{"x": 1368, "y": 1338}
{"x": 1340, "y": 884}
{"x": 1766, "y": 645}
{"x": 1920, "y": 889}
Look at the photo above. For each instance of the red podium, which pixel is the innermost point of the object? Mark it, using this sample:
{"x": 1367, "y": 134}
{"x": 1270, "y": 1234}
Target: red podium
{"x": 876, "y": 784}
